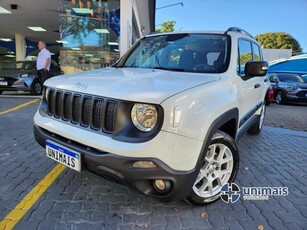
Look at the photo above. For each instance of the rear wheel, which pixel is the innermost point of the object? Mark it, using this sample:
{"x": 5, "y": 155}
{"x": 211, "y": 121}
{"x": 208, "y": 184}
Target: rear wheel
{"x": 220, "y": 166}
{"x": 36, "y": 87}
{"x": 1, "y": 91}
{"x": 257, "y": 126}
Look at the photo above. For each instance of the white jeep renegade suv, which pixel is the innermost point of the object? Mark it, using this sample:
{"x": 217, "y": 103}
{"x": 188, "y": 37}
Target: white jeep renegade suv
{"x": 164, "y": 119}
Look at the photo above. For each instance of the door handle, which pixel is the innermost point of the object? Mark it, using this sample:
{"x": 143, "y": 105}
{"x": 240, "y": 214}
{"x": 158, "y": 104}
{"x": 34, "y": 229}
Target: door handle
{"x": 257, "y": 85}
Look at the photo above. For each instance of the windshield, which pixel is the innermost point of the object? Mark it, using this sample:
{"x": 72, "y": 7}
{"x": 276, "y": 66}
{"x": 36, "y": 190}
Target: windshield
{"x": 21, "y": 65}
{"x": 200, "y": 53}
{"x": 291, "y": 78}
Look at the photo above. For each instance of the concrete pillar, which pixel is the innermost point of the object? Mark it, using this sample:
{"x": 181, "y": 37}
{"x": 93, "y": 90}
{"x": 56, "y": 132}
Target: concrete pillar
{"x": 20, "y": 44}
{"x": 125, "y": 25}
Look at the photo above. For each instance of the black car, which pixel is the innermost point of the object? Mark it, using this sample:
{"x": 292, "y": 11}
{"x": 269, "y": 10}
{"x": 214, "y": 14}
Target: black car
{"x": 22, "y": 75}
{"x": 289, "y": 87}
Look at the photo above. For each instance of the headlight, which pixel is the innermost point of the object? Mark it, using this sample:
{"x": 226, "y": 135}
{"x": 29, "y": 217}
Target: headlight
{"x": 291, "y": 88}
{"x": 24, "y": 75}
{"x": 144, "y": 117}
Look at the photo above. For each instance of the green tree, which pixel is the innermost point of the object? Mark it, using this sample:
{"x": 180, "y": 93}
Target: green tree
{"x": 167, "y": 26}
{"x": 279, "y": 40}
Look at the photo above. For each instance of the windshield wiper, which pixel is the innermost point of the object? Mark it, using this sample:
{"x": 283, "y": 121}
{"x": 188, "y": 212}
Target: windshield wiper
{"x": 169, "y": 69}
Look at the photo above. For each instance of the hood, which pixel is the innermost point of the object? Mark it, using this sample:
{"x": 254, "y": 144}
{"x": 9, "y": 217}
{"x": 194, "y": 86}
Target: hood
{"x": 299, "y": 85}
{"x": 302, "y": 85}
{"x": 133, "y": 84}
{"x": 14, "y": 72}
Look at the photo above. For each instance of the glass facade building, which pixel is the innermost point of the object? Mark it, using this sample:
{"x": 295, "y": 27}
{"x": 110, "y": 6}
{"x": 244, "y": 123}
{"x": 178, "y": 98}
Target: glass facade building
{"x": 80, "y": 34}
{"x": 89, "y": 33}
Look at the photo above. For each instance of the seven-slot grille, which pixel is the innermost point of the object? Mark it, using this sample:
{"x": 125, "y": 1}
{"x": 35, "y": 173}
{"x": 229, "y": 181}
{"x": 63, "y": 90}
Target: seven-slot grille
{"x": 88, "y": 111}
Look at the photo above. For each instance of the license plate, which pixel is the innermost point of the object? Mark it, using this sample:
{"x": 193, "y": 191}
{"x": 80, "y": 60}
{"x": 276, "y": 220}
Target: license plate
{"x": 63, "y": 155}
{"x": 3, "y": 82}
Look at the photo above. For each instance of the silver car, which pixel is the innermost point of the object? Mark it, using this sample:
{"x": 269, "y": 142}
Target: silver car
{"x": 22, "y": 76}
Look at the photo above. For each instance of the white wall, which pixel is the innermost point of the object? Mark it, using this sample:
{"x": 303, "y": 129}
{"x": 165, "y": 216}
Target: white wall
{"x": 125, "y": 25}
{"x": 275, "y": 54}
{"x": 141, "y": 12}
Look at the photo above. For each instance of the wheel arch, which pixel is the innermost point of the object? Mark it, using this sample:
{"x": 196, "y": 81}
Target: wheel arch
{"x": 228, "y": 123}
{"x": 225, "y": 123}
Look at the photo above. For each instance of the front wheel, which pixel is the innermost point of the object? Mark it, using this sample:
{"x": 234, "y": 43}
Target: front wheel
{"x": 257, "y": 126}
{"x": 1, "y": 91}
{"x": 220, "y": 166}
{"x": 279, "y": 98}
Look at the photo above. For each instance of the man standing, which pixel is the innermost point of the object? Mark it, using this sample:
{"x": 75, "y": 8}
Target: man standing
{"x": 43, "y": 62}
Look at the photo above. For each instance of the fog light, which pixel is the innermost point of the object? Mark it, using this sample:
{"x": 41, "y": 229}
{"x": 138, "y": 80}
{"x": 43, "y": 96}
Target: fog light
{"x": 162, "y": 186}
{"x": 144, "y": 164}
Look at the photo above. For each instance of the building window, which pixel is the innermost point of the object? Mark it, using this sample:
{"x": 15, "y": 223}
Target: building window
{"x": 89, "y": 31}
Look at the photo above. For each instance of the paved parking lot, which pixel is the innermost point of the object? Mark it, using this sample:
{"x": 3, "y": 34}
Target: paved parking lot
{"x": 75, "y": 200}
{"x": 287, "y": 116}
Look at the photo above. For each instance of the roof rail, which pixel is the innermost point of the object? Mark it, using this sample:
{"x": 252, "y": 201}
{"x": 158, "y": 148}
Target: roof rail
{"x": 239, "y": 30}
{"x": 155, "y": 32}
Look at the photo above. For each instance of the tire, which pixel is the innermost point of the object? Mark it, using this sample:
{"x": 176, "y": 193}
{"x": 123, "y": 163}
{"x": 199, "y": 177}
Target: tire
{"x": 36, "y": 88}
{"x": 256, "y": 128}
{"x": 1, "y": 91}
{"x": 222, "y": 147}
{"x": 279, "y": 98}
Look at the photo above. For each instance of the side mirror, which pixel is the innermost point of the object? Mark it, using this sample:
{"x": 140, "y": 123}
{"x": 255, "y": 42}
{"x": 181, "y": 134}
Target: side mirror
{"x": 273, "y": 80}
{"x": 256, "y": 69}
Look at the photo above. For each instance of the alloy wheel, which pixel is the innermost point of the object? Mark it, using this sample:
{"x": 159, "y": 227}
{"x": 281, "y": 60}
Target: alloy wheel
{"x": 278, "y": 98}
{"x": 215, "y": 172}
{"x": 37, "y": 88}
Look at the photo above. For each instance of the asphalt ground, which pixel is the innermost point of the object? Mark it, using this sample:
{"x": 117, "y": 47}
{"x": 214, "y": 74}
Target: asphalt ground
{"x": 289, "y": 116}
{"x": 71, "y": 200}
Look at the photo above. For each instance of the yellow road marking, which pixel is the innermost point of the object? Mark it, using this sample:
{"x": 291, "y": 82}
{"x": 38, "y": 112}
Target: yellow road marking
{"x": 29, "y": 200}
{"x": 19, "y": 106}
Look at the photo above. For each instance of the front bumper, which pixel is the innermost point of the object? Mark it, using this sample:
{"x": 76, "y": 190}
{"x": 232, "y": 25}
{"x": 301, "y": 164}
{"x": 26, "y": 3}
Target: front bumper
{"x": 120, "y": 169}
{"x": 297, "y": 96}
{"x": 15, "y": 88}
{"x": 18, "y": 85}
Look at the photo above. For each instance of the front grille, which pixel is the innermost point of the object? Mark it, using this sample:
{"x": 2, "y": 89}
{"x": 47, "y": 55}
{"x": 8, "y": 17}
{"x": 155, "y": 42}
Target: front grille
{"x": 76, "y": 105}
{"x": 85, "y": 110}
{"x": 302, "y": 93}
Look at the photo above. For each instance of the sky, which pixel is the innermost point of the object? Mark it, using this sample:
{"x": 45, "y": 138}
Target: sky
{"x": 254, "y": 16}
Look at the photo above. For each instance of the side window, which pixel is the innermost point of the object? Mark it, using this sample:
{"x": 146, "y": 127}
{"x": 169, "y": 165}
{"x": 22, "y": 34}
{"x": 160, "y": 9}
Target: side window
{"x": 245, "y": 55}
{"x": 256, "y": 50}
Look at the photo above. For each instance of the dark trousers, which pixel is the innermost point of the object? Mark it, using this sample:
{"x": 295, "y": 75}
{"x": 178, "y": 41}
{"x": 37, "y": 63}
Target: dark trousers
{"x": 42, "y": 75}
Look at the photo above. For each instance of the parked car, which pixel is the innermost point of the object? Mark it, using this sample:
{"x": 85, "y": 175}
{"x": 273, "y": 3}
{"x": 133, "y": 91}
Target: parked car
{"x": 164, "y": 120}
{"x": 295, "y": 64}
{"x": 22, "y": 75}
{"x": 288, "y": 78}
{"x": 289, "y": 87}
